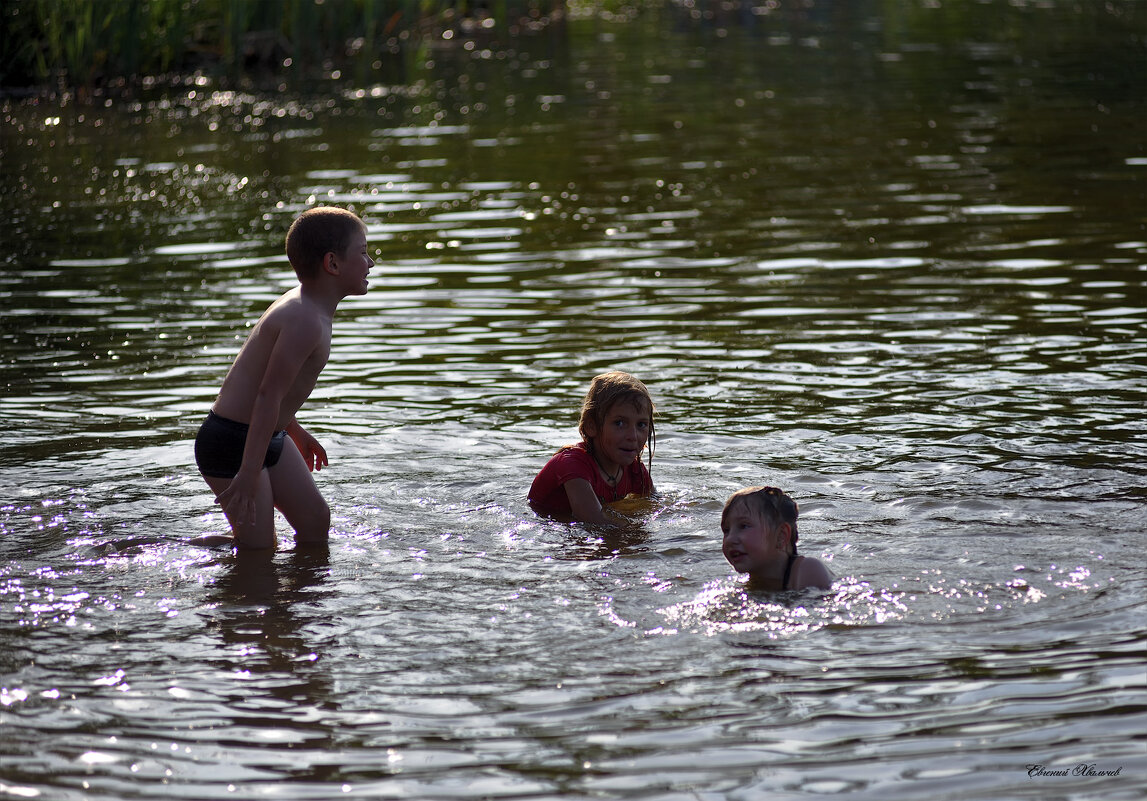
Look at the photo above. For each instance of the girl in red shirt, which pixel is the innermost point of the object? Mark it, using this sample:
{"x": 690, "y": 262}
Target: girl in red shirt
{"x": 616, "y": 422}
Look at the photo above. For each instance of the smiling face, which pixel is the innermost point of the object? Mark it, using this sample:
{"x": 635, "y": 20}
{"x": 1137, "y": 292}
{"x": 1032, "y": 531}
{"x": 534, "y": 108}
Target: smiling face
{"x": 354, "y": 264}
{"x": 621, "y": 435}
{"x": 320, "y": 233}
{"x": 752, "y": 544}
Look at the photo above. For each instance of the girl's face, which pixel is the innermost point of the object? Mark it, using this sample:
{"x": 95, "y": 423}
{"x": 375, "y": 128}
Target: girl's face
{"x": 750, "y": 544}
{"x": 622, "y": 436}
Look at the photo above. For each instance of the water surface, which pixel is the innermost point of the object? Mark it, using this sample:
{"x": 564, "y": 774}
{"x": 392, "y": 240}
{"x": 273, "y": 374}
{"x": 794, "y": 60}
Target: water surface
{"x": 890, "y": 257}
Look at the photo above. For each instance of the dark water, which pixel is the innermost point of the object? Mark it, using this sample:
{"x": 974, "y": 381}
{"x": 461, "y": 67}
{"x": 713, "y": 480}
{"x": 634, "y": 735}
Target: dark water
{"x": 889, "y": 256}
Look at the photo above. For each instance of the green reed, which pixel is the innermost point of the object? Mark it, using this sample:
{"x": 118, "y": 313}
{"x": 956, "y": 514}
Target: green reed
{"x": 91, "y": 42}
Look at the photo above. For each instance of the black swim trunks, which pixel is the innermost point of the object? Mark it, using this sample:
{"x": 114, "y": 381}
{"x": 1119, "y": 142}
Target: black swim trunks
{"x": 219, "y": 447}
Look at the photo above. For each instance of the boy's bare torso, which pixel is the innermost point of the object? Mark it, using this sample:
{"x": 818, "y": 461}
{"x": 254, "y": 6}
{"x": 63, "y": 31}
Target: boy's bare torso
{"x": 301, "y": 330}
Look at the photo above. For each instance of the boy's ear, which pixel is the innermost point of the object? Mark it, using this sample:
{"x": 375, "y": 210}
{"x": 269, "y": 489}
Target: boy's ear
{"x": 590, "y": 429}
{"x": 329, "y": 263}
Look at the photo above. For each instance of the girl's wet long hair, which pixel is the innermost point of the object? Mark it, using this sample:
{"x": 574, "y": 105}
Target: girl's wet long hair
{"x": 610, "y": 388}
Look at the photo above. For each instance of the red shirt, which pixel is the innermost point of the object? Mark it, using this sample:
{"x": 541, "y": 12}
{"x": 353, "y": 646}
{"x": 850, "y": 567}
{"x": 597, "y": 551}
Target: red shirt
{"x": 548, "y": 493}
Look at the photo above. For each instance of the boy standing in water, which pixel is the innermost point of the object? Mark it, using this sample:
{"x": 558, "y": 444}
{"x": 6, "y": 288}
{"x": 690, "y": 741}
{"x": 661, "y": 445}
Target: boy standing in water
{"x": 242, "y": 448}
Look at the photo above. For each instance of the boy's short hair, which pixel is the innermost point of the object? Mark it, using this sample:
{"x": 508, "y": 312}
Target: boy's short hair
{"x": 317, "y": 232}
{"x": 607, "y": 389}
{"x": 773, "y": 505}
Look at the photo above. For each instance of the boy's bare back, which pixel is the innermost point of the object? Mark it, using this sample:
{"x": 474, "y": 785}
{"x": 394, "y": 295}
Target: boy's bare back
{"x": 283, "y": 357}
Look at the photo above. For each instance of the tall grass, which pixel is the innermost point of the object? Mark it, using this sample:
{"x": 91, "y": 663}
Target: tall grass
{"x": 90, "y": 42}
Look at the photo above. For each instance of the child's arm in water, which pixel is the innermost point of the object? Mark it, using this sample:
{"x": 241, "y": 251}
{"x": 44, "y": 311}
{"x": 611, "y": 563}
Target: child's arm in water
{"x": 585, "y": 506}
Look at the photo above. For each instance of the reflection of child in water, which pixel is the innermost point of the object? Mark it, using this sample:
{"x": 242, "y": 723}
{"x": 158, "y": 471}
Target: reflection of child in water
{"x": 759, "y": 525}
{"x": 605, "y": 467}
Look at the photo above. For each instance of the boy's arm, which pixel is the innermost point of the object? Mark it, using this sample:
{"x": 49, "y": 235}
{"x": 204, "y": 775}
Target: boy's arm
{"x": 313, "y": 453}
{"x": 294, "y": 342}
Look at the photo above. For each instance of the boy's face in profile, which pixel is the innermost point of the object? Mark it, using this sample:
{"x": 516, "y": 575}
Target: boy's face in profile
{"x": 748, "y": 542}
{"x": 354, "y": 265}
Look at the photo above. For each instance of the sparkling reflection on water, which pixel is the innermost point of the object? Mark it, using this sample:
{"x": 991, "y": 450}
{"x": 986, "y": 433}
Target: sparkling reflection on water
{"x": 891, "y": 266}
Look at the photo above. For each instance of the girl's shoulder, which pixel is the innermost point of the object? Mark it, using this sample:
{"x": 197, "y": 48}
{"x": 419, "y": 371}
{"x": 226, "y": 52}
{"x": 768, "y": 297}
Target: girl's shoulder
{"x": 576, "y": 452}
{"x": 811, "y": 572}
{"x": 569, "y": 458}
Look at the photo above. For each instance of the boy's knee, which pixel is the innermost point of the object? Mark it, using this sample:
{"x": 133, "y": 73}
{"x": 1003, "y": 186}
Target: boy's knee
{"x": 317, "y": 525}
{"x": 256, "y": 539}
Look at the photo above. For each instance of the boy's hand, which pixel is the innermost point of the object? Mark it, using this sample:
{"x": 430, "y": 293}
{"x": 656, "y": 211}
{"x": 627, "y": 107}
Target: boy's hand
{"x": 313, "y": 453}
{"x": 238, "y": 500}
